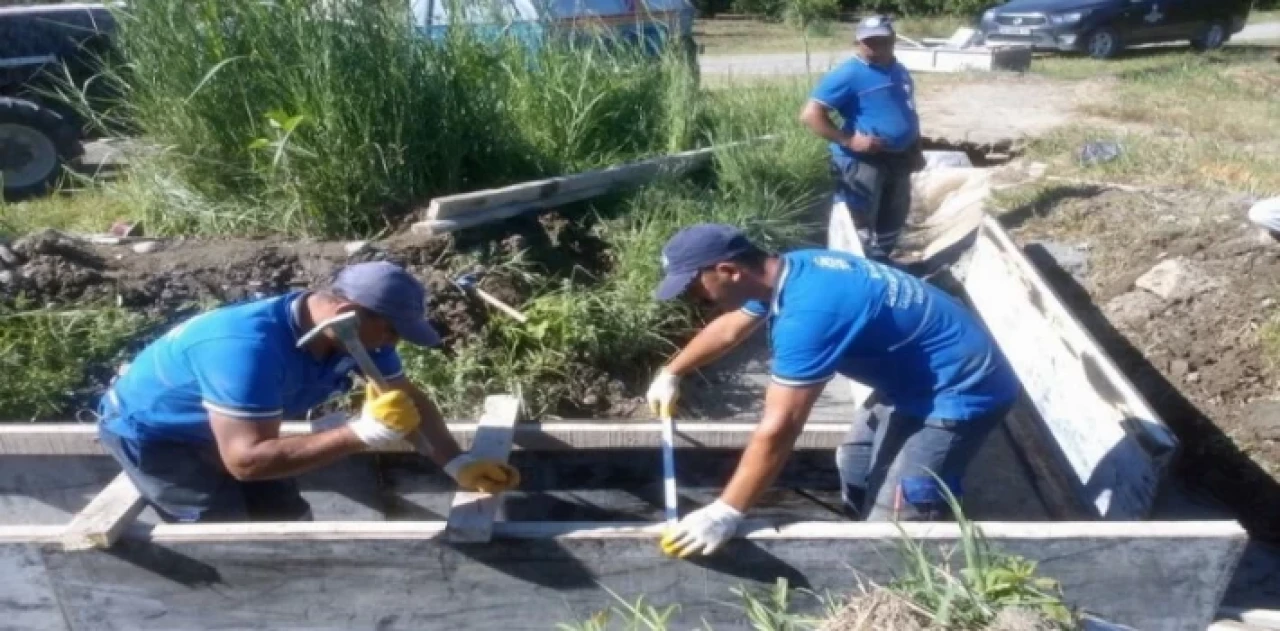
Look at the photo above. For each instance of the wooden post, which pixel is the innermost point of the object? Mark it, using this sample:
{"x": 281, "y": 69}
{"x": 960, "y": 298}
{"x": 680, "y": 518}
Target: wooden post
{"x": 472, "y": 514}
{"x": 105, "y": 518}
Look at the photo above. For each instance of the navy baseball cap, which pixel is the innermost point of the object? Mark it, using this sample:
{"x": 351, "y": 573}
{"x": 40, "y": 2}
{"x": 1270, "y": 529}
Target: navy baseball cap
{"x": 393, "y": 293}
{"x": 694, "y": 249}
{"x": 874, "y": 26}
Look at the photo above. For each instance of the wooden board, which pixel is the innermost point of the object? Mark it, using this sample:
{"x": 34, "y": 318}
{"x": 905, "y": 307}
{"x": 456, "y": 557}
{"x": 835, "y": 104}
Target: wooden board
{"x": 1117, "y": 448}
{"x": 557, "y": 191}
{"x": 102, "y": 521}
{"x": 1153, "y": 576}
{"x": 78, "y": 439}
{"x": 471, "y": 516}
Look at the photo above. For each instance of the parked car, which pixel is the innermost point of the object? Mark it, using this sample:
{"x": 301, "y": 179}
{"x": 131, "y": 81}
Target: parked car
{"x": 1104, "y": 28}
{"x": 40, "y": 133}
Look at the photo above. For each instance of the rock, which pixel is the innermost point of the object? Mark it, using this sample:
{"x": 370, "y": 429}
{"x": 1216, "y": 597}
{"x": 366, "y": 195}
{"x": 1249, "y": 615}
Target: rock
{"x": 1132, "y": 308}
{"x": 6, "y": 277}
{"x": 356, "y": 247}
{"x": 1177, "y": 279}
{"x": 1179, "y": 368}
{"x": 1071, "y": 259}
{"x": 8, "y": 258}
{"x": 145, "y": 247}
{"x": 1099, "y": 152}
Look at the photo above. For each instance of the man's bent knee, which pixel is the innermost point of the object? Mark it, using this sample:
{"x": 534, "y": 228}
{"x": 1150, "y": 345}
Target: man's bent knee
{"x": 918, "y": 498}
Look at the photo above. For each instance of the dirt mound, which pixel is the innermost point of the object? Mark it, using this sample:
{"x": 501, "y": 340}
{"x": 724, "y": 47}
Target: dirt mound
{"x": 166, "y": 278}
{"x": 1181, "y": 290}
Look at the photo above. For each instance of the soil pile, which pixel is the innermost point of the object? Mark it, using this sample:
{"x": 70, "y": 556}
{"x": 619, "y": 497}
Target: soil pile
{"x": 1181, "y": 290}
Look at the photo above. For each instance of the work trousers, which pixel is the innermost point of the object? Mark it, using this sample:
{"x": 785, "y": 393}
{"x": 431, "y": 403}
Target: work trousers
{"x": 187, "y": 483}
{"x": 888, "y": 462}
{"x": 877, "y": 192}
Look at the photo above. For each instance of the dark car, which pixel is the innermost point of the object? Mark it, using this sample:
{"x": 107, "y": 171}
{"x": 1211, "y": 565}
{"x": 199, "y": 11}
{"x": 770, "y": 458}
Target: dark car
{"x": 41, "y": 45}
{"x": 1103, "y": 28}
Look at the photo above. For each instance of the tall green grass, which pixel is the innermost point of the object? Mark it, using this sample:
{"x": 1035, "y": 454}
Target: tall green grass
{"x": 327, "y": 118}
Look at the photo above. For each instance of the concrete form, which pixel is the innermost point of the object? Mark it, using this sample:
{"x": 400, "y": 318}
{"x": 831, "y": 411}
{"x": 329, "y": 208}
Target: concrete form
{"x": 394, "y": 547}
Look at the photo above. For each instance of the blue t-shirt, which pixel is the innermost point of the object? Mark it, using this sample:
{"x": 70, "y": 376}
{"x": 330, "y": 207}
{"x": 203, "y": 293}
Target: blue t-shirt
{"x": 874, "y": 100}
{"x": 240, "y": 360}
{"x": 835, "y": 312}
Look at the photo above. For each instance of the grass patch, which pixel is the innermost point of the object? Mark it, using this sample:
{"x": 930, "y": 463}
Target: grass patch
{"x": 86, "y": 210}
{"x": 352, "y": 118}
{"x": 1167, "y": 111}
{"x": 1269, "y": 336}
{"x": 989, "y": 589}
{"x": 50, "y": 360}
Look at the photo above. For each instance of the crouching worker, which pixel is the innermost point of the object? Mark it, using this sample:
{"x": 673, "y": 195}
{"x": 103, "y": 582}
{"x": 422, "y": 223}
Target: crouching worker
{"x": 195, "y": 419}
{"x": 942, "y": 382}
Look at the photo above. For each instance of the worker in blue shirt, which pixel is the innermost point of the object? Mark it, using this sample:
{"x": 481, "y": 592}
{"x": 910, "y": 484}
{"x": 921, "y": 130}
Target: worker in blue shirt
{"x": 877, "y": 145}
{"x": 194, "y": 420}
{"x": 941, "y": 382}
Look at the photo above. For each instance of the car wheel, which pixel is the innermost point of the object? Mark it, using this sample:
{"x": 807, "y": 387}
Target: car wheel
{"x": 1212, "y": 38}
{"x": 34, "y": 144}
{"x": 1103, "y": 43}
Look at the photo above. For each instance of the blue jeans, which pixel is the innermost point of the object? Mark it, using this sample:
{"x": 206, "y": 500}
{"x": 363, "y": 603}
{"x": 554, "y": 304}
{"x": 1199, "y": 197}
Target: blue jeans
{"x": 188, "y": 483}
{"x": 888, "y": 461}
{"x": 877, "y": 191}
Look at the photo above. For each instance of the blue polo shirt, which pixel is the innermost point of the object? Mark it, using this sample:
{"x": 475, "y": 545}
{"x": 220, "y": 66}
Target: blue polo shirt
{"x": 874, "y": 100}
{"x": 837, "y": 313}
{"x": 240, "y": 360}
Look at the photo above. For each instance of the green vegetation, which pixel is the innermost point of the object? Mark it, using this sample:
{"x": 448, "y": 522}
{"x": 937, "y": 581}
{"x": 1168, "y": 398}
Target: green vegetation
{"x": 1169, "y": 138}
{"x": 49, "y": 359}
{"x": 929, "y": 592}
{"x": 327, "y": 119}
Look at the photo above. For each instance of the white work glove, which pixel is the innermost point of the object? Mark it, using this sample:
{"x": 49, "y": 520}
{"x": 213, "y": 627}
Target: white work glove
{"x": 703, "y": 530}
{"x": 385, "y": 418}
{"x": 663, "y": 393}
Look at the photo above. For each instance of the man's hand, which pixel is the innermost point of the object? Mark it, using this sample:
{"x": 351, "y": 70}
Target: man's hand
{"x": 485, "y": 476}
{"x": 385, "y": 418}
{"x": 663, "y": 394}
{"x": 862, "y": 143}
{"x": 703, "y": 530}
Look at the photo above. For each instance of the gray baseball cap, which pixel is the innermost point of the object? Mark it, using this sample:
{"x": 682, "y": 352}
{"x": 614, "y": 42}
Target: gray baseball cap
{"x": 393, "y": 293}
{"x": 874, "y": 26}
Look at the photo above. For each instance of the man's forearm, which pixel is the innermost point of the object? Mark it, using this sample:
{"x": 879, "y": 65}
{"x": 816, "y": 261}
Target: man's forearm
{"x": 433, "y": 427}
{"x": 819, "y": 122}
{"x": 761, "y": 463}
{"x": 290, "y": 455}
{"x": 712, "y": 342}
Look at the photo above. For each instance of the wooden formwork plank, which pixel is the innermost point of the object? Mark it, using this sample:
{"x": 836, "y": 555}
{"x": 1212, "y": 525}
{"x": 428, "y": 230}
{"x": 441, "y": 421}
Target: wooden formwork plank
{"x": 1152, "y": 576}
{"x": 472, "y": 514}
{"x": 105, "y": 518}
{"x": 1115, "y": 445}
{"x": 79, "y": 439}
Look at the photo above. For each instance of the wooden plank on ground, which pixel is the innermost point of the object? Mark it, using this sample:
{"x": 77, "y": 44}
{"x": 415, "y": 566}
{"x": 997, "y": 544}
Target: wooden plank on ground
{"x": 465, "y": 210}
{"x": 101, "y": 522}
{"x": 78, "y": 439}
{"x": 1154, "y": 576}
{"x": 1118, "y": 449}
{"x": 472, "y": 514}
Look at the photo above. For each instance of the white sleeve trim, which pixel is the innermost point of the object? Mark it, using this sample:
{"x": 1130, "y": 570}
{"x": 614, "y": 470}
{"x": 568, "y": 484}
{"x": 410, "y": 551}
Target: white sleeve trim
{"x": 394, "y": 377}
{"x": 752, "y": 313}
{"x": 234, "y": 413}
{"x": 822, "y": 103}
{"x": 802, "y": 382}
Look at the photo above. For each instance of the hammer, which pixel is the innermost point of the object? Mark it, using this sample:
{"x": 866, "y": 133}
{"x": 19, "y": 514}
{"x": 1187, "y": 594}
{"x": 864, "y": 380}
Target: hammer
{"x": 470, "y": 282}
{"x": 346, "y": 328}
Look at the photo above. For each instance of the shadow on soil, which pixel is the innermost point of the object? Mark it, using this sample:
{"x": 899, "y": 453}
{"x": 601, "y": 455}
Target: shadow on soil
{"x": 1216, "y": 479}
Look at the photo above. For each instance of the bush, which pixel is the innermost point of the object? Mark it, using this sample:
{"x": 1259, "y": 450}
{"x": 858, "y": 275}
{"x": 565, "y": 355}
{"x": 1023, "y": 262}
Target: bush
{"x": 325, "y": 118}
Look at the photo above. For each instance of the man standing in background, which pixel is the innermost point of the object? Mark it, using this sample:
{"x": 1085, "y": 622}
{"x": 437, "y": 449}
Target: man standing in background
{"x": 877, "y": 145}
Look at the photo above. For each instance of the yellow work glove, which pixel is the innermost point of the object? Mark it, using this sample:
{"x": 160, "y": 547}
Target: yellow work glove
{"x": 485, "y": 476}
{"x": 385, "y": 418}
{"x": 663, "y": 394}
{"x": 703, "y": 530}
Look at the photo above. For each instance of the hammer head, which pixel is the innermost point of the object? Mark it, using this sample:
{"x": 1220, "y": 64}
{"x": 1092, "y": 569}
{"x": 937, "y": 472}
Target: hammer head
{"x": 345, "y": 326}
{"x": 467, "y": 281}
